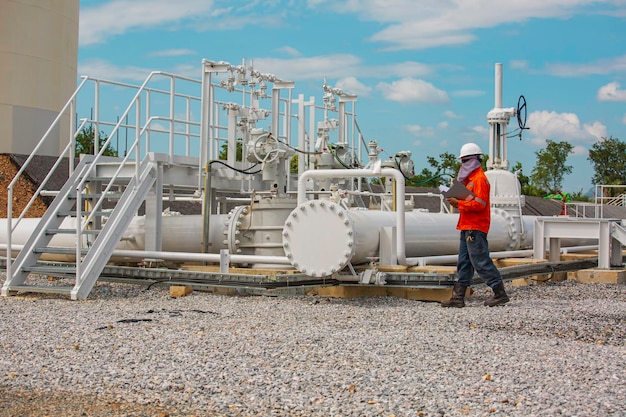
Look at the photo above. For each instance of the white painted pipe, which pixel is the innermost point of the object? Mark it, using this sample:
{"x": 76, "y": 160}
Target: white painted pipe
{"x": 180, "y": 234}
{"x": 452, "y": 259}
{"x": 498, "y": 87}
{"x": 377, "y": 171}
{"x": 440, "y": 234}
{"x": 180, "y": 256}
{"x": 321, "y": 237}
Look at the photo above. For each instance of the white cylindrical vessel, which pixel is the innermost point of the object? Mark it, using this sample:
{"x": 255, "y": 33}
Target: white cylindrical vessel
{"x": 321, "y": 237}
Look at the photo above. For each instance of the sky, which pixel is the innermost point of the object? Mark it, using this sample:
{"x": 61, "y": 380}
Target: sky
{"x": 423, "y": 70}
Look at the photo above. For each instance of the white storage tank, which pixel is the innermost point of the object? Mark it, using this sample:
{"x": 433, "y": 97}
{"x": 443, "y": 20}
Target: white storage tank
{"x": 38, "y": 61}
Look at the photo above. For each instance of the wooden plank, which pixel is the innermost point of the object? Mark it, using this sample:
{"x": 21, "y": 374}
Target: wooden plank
{"x": 353, "y": 291}
{"x": 601, "y": 276}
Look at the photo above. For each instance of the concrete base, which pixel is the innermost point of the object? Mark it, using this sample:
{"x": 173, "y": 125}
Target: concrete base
{"x": 601, "y": 276}
{"x": 420, "y": 294}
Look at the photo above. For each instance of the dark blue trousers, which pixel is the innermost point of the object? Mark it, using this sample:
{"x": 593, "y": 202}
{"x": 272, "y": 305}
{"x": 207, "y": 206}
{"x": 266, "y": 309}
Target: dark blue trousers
{"x": 474, "y": 256}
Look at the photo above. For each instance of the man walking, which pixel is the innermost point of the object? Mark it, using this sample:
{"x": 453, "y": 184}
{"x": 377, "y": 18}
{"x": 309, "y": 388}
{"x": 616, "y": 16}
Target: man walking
{"x": 474, "y": 222}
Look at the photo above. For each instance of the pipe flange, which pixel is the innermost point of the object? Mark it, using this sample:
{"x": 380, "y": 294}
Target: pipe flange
{"x": 318, "y": 238}
{"x": 514, "y": 234}
{"x": 238, "y": 222}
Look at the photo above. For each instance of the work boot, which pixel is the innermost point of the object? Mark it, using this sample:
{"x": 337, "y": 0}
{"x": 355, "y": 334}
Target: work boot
{"x": 458, "y": 297}
{"x": 499, "y": 296}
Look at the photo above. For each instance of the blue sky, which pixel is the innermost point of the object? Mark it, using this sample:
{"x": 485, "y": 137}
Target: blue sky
{"x": 423, "y": 70}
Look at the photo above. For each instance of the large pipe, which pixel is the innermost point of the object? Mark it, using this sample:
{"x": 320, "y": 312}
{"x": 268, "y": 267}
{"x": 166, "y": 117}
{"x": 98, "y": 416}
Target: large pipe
{"x": 321, "y": 237}
{"x": 180, "y": 234}
{"x": 377, "y": 171}
{"x": 400, "y": 218}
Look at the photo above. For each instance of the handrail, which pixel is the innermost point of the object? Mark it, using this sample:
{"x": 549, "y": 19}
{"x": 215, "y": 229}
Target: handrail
{"x": 600, "y": 199}
{"x": 28, "y": 161}
{"x": 68, "y": 149}
{"x": 135, "y": 101}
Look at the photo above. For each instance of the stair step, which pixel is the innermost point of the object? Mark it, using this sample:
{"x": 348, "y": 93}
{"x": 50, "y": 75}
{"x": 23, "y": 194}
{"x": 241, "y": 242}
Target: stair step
{"x": 119, "y": 180}
{"x": 58, "y": 250}
{"x": 71, "y": 231}
{"x": 72, "y": 213}
{"x": 95, "y": 196}
{"x": 43, "y": 289}
{"x": 51, "y": 270}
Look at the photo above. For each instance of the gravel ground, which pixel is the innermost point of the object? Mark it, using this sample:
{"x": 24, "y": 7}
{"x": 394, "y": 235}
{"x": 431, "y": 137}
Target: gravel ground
{"x": 555, "y": 349}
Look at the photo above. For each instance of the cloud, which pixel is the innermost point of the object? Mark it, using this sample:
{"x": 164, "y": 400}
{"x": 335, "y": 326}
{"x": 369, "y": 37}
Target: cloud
{"x": 339, "y": 66}
{"x": 311, "y": 68}
{"x": 420, "y": 24}
{"x": 410, "y": 90}
{"x": 611, "y": 92}
{"x": 563, "y": 127}
{"x": 580, "y": 151}
{"x": 351, "y": 85}
{"x": 419, "y": 131}
{"x": 98, "y": 23}
{"x": 518, "y": 64}
{"x": 99, "y": 68}
{"x": 408, "y": 24}
{"x": 172, "y": 52}
{"x": 289, "y": 51}
{"x": 600, "y": 67}
{"x": 451, "y": 115}
{"x": 481, "y": 130}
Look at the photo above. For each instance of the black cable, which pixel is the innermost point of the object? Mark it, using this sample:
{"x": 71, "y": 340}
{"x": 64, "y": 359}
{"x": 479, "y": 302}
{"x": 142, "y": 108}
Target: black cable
{"x": 426, "y": 180}
{"x": 242, "y": 171}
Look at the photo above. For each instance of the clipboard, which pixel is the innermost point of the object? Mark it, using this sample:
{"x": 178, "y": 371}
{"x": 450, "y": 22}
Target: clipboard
{"x": 458, "y": 191}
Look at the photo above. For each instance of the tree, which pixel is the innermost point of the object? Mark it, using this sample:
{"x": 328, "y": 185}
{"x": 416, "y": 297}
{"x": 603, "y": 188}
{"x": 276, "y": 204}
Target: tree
{"x": 608, "y": 157}
{"x": 447, "y": 166}
{"x": 547, "y": 175}
{"x": 85, "y": 142}
{"x": 239, "y": 151}
{"x": 524, "y": 180}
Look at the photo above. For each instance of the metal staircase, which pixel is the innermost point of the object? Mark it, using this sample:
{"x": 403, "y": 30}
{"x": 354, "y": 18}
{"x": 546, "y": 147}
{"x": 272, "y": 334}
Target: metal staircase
{"x": 618, "y": 232}
{"x": 78, "y": 209}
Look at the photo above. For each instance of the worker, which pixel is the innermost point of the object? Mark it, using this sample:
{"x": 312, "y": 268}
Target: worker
{"x": 474, "y": 222}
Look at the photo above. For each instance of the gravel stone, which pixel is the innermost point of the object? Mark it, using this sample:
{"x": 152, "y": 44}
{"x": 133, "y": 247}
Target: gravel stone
{"x": 555, "y": 349}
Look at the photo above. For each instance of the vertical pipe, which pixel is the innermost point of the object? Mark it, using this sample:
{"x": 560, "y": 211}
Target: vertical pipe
{"x": 207, "y": 208}
{"x": 312, "y": 130}
{"x": 341, "y": 132}
{"x": 275, "y": 111}
{"x": 301, "y": 133}
{"x": 204, "y": 120}
{"x": 498, "y": 91}
{"x": 232, "y": 137}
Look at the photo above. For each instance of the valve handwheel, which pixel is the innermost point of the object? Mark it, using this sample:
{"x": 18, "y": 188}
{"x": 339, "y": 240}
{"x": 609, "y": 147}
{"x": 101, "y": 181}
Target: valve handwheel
{"x": 521, "y": 112}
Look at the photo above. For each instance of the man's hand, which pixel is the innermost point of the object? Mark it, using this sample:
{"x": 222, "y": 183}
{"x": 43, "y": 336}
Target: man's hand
{"x": 453, "y": 202}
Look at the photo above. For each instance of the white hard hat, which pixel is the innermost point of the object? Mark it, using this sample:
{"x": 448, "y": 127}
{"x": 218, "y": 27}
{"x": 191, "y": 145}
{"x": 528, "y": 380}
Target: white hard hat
{"x": 469, "y": 149}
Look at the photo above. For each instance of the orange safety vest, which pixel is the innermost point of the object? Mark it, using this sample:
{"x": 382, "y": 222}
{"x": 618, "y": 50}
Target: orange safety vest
{"x": 475, "y": 214}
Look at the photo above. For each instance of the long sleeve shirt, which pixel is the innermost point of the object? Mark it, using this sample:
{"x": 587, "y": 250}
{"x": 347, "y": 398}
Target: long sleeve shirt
{"x": 475, "y": 214}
